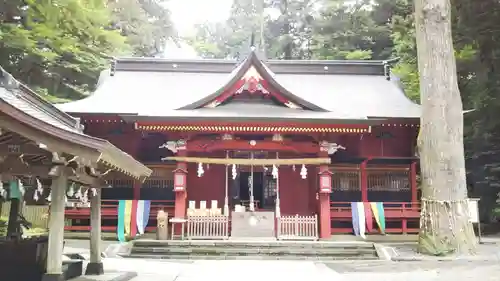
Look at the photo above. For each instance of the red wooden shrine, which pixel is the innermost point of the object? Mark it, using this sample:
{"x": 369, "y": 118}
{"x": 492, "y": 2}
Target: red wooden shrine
{"x": 349, "y": 112}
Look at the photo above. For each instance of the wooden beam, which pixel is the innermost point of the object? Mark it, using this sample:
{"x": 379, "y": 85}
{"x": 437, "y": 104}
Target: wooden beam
{"x": 255, "y": 162}
{"x": 202, "y": 145}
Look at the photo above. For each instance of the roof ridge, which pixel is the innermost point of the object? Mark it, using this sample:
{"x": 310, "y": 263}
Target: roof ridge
{"x": 10, "y": 83}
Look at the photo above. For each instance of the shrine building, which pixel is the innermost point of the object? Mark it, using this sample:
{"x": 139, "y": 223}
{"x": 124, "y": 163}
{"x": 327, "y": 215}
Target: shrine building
{"x": 266, "y": 140}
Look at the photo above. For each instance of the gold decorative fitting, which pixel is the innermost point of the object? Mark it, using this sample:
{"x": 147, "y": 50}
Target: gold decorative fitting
{"x": 250, "y": 129}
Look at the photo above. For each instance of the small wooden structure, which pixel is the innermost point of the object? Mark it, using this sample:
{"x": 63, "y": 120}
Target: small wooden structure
{"x": 37, "y": 140}
{"x": 297, "y": 138}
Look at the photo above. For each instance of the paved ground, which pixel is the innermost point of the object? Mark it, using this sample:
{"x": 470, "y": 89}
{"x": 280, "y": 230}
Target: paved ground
{"x": 485, "y": 266}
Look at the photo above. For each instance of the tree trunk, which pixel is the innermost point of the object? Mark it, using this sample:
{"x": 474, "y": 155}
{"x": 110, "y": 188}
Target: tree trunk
{"x": 444, "y": 222}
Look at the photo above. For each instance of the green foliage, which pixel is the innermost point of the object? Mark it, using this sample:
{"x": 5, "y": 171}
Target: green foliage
{"x": 59, "y": 48}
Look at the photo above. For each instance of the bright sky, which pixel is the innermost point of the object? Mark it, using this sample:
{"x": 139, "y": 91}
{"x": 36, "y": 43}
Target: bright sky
{"x": 187, "y": 13}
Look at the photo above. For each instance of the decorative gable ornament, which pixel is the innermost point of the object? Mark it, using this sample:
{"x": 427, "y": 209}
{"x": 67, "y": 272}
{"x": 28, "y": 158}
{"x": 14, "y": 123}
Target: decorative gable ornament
{"x": 174, "y": 146}
{"x": 330, "y": 148}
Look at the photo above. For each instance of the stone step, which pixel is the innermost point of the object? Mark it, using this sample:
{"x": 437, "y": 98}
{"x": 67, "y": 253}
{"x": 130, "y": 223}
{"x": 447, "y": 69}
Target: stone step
{"x": 251, "y": 243}
{"x": 240, "y": 249}
{"x": 249, "y": 257}
{"x": 252, "y": 251}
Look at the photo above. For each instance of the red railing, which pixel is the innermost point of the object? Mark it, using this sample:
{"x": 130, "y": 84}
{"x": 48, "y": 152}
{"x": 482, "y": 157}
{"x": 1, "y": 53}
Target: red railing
{"x": 395, "y": 212}
{"x": 109, "y": 211}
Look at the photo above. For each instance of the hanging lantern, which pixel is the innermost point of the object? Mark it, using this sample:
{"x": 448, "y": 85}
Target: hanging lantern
{"x": 325, "y": 180}
{"x": 303, "y": 172}
{"x": 180, "y": 176}
{"x": 71, "y": 190}
{"x": 274, "y": 172}
{"x": 200, "y": 170}
{"x": 233, "y": 171}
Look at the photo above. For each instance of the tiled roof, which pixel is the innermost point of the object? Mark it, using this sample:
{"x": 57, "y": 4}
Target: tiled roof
{"x": 341, "y": 89}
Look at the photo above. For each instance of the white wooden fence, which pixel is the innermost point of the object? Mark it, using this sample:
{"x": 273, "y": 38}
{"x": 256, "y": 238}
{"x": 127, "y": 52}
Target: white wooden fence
{"x": 207, "y": 227}
{"x": 297, "y": 228}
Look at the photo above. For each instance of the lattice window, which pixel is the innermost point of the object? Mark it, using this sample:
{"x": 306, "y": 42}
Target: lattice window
{"x": 162, "y": 177}
{"x": 120, "y": 183}
{"x": 388, "y": 181}
{"x": 345, "y": 181}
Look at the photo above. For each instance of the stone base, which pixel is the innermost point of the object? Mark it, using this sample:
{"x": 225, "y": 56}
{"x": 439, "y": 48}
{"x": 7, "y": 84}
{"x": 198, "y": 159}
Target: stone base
{"x": 53, "y": 277}
{"x": 94, "y": 268}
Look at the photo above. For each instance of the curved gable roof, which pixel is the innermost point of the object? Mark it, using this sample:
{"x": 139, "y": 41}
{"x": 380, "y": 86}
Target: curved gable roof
{"x": 165, "y": 87}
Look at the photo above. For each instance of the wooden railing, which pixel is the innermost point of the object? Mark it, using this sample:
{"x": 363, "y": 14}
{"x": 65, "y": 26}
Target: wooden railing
{"x": 207, "y": 227}
{"x": 395, "y": 212}
{"x": 109, "y": 211}
{"x": 297, "y": 227}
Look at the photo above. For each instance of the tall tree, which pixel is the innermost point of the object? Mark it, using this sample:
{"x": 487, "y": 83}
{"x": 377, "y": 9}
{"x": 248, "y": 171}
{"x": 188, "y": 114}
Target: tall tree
{"x": 57, "y": 48}
{"x": 445, "y": 225}
{"x": 145, "y": 23}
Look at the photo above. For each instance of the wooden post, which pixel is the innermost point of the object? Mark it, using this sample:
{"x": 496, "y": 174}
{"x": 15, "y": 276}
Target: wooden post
{"x": 180, "y": 195}
{"x": 56, "y": 227}
{"x": 226, "y": 195}
{"x": 325, "y": 223}
{"x": 95, "y": 266}
{"x": 133, "y": 215}
{"x": 413, "y": 182}
{"x": 364, "y": 182}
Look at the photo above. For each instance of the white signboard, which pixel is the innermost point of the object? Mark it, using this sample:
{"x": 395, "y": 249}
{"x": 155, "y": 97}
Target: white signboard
{"x": 473, "y": 210}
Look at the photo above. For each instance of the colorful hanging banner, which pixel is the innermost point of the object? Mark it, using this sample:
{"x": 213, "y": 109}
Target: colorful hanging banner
{"x": 142, "y": 215}
{"x": 128, "y": 217}
{"x": 355, "y": 218}
{"x": 120, "y": 230}
{"x": 361, "y": 219}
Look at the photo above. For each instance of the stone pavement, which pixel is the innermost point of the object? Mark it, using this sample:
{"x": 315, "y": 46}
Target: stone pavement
{"x": 242, "y": 270}
{"x": 485, "y": 266}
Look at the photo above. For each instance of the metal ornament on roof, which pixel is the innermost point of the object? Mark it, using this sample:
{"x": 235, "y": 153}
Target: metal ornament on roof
{"x": 303, "y": 172}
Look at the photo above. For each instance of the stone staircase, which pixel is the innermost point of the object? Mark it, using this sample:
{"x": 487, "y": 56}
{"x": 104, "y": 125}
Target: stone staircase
{"x": 252, "y": 225}
{"x": 252, "y": 250}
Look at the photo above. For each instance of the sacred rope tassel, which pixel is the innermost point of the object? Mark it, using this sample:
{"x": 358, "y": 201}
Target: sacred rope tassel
{"x": 78, "y": 193}
{"x": 35, "y": 195}
{"x": 85, "y": 197}
{"x": 71, "y": 190}
{"x": 2, "y": 190}
{"x": 275, "y": 172}
{"x": 39, "y": 186}
{"x": 233, "y": 171}
{"x": 293, "y": 168}
{"x": 49, "y": 197}
{"x": 21, "y": 187}
{"x": 303, "y": 172}
{"x": 94, "y": 191}
{"x": 200, "y": 170}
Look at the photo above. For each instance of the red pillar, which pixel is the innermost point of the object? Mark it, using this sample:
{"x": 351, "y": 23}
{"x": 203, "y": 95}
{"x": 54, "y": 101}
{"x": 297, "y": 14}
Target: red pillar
{"x": 136, "y": 195}
{"x": 413, "y": 182}
{"x": 133, "y": 215}
{"x": 180, "y": 193}
{"x": 325, "y": 227}
{"x": 364, "y": 182}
